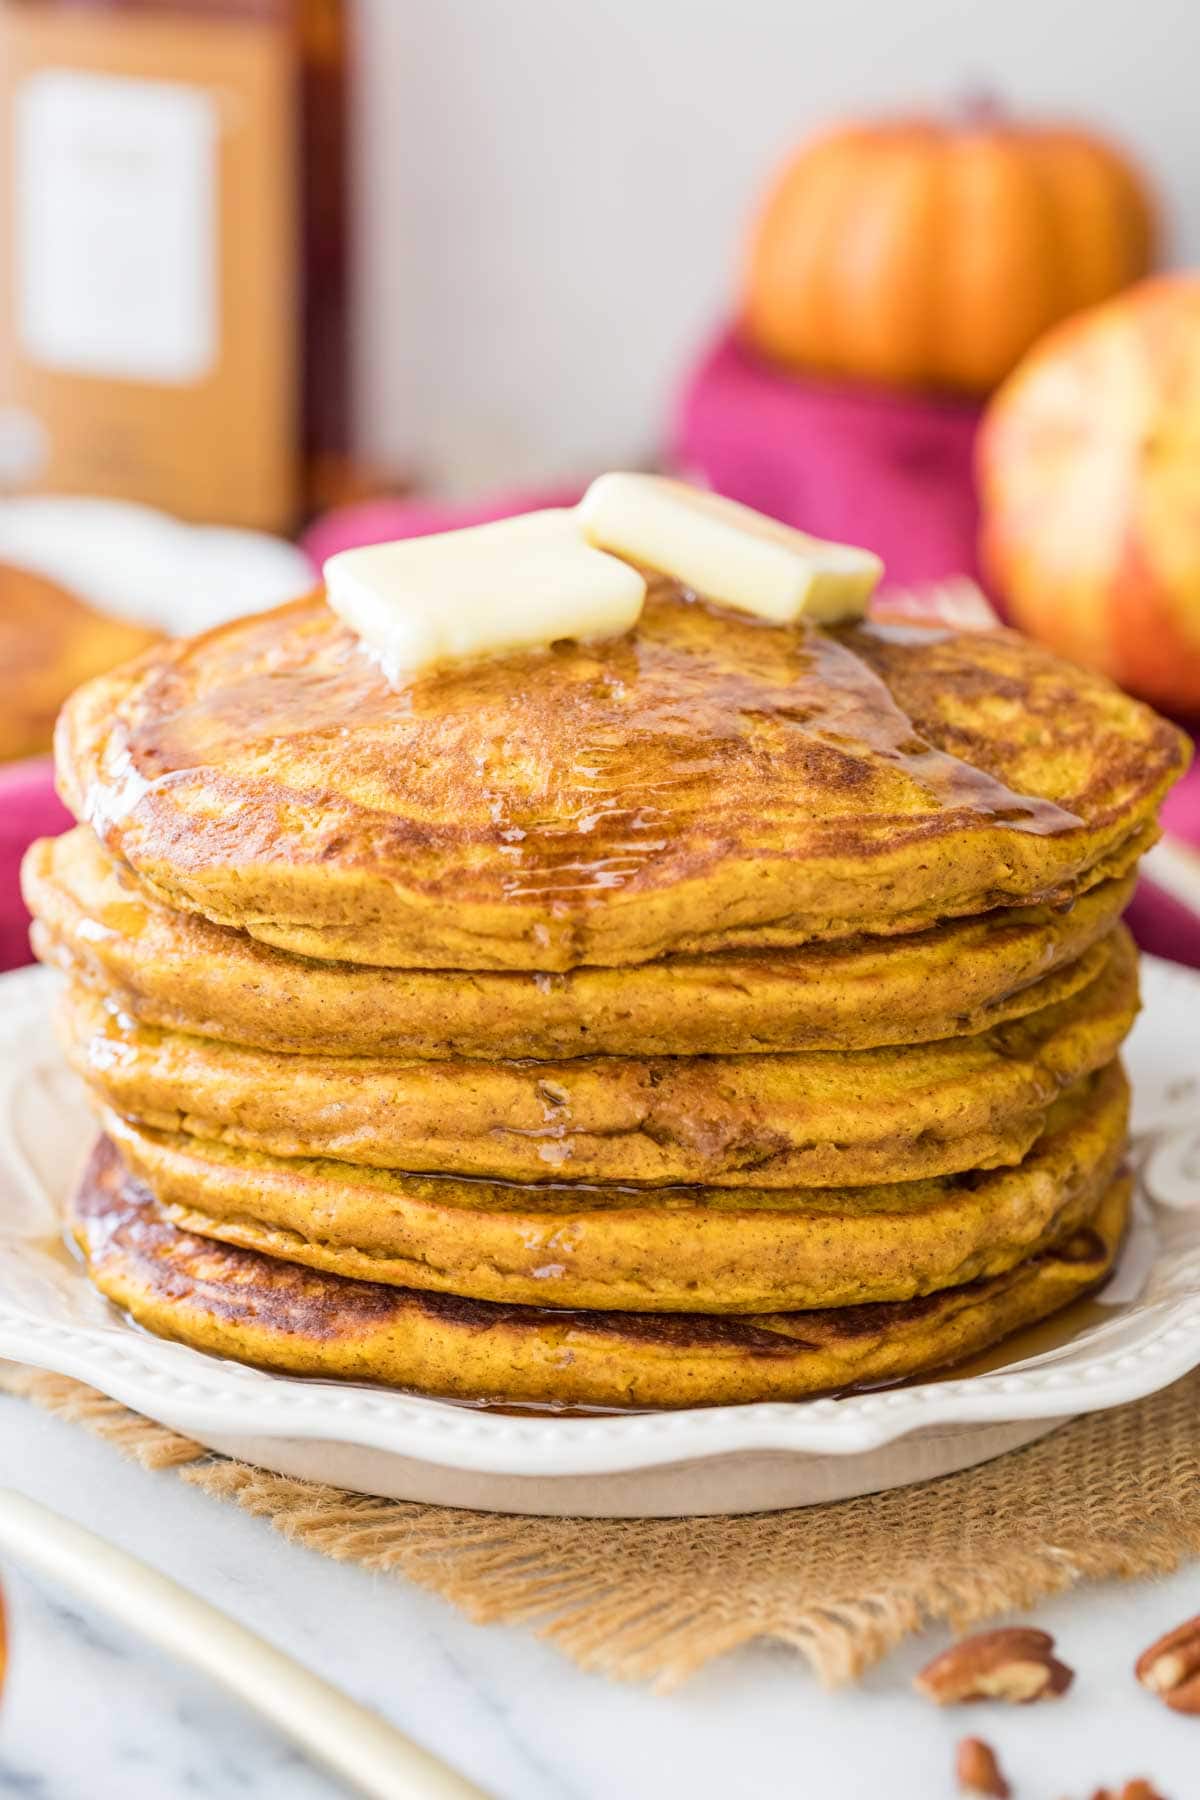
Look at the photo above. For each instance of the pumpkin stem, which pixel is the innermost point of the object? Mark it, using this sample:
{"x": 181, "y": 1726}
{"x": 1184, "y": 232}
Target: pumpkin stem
{"x": 981, "y": 105}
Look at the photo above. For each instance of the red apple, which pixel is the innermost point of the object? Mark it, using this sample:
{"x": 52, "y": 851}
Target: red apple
{"x": 1089, "y": 466}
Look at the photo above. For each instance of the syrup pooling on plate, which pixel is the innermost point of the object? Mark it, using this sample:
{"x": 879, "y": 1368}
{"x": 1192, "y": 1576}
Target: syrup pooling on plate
{"x": 662, "y": 730}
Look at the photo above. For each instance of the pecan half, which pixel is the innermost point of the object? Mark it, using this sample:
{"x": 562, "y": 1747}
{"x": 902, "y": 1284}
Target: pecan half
{"x": 1133, "y": 1790}
{"x": 1171, "y": 1667}
{"x": 978, "y": 1771}
{"x": 1016, "y": 1664}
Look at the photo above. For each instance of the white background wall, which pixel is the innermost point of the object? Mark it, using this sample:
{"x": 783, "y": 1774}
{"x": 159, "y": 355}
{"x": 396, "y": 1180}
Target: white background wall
{"x": 552, "y": 192}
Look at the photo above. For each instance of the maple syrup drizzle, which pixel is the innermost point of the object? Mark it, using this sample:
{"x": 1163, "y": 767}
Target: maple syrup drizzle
{"x": 576, "y": 778}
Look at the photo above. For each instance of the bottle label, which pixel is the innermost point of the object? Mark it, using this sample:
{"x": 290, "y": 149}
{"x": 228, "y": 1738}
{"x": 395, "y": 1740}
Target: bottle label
{"x": 115, "y": 244}
{"x": 150, "y": 238}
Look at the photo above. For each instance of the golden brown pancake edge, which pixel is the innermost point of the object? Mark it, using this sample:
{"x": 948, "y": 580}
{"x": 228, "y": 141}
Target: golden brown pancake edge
{"x": 179, "y": 971}
{"x": 706, "y": 782}
{"x": 829, "y": 1118}
{"x": 719, "y": 1250}
{"x": 237, "y": 1303}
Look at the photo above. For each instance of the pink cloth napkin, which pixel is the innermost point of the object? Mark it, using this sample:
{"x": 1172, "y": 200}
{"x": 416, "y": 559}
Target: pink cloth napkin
{"x": 377, "y": 521}
{"x": 1181, "y": 813}
{"x": 1159, "y": 921}
{"x": 29, "y": 808}
{"x": 1163, "y": 925}
{"x": 860, "y": 465}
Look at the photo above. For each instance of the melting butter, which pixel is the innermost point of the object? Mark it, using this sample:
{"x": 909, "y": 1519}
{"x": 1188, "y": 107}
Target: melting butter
{"x": 524, "y": 583}
{"x": 512, "y": 585}
{"x": 727, "y": 552}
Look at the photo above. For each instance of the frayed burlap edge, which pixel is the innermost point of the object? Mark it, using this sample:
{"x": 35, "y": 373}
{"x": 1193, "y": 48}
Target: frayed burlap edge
{"x": 1114, "y": 1494}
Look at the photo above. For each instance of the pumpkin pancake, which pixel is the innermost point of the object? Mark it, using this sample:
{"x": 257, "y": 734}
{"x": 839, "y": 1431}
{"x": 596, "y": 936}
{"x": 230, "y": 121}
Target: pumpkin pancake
{"x": 816, "y": 1120}
{"x": 665, "y": 1249}
{"x": 237, "y": 1303}
{"x": 704, "y": 782}
{"x": 50, "y": 641}
{"x": 179, "y": 971}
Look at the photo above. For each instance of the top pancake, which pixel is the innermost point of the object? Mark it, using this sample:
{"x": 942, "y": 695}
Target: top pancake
{"x": 705, "y": 782}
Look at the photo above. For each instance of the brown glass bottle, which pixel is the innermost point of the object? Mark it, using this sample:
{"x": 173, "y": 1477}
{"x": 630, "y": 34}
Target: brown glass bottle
{"x": 173, "y": 324}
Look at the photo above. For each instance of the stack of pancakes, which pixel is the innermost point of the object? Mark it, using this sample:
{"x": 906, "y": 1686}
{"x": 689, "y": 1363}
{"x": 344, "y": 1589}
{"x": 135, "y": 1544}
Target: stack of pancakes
{"x": 722, "y": 1012}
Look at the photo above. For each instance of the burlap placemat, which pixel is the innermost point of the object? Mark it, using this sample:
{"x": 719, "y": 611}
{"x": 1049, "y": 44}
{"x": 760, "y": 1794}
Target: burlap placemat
{"x": 1114, "y": 1494}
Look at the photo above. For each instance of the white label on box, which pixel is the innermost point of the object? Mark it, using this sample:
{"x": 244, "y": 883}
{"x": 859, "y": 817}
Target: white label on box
{"x": 116, "y": 214}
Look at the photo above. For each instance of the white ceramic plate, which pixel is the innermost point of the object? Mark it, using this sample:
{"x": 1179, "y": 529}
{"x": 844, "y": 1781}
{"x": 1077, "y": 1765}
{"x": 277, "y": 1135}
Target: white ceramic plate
{"x": 143, "y": 564}
{"x": 1143, "y": 1332}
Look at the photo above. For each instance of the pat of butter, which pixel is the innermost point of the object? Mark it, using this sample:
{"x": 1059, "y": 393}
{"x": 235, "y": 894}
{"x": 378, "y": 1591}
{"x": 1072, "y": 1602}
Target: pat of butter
{"x": 460, "y": 595}
{"x": 727, "y": 552}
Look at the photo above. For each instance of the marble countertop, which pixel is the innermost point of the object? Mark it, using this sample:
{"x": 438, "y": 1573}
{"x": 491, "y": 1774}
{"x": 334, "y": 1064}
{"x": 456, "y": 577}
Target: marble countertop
{"x": 91, "y": 1714}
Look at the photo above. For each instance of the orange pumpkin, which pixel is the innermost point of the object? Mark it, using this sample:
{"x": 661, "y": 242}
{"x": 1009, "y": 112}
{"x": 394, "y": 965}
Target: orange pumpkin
{"x": 926, "y": 255}
{"x": 1089, "y": 471}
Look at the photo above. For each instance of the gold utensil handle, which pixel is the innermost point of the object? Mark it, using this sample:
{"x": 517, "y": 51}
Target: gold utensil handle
{"x": 348, "y": 1738}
